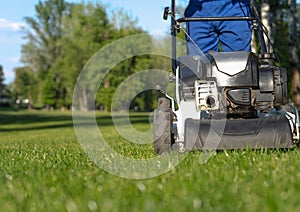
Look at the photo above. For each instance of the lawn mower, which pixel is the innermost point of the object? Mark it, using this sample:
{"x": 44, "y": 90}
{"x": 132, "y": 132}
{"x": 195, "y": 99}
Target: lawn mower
{"x": 226, "y": 100}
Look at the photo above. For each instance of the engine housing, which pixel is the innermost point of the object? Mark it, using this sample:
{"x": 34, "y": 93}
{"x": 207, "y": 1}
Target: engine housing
{"x": 236, "y": 83}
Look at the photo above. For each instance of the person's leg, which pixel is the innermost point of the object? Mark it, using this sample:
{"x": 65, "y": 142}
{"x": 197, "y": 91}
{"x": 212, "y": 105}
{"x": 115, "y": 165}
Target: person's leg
{"x": 202, "y": 34}
{"x": 236, "y": 35}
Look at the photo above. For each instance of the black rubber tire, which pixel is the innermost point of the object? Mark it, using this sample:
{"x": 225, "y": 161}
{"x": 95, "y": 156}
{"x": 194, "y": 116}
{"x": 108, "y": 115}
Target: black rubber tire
{"x": 162, "y": 123}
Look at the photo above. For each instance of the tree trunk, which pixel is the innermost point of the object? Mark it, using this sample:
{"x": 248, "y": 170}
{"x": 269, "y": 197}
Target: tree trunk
{"x": 83, "y": 100}
{"x": 265, "y": 18}
{"x": 253, "y": 44}
{"x": 294, "y": 60}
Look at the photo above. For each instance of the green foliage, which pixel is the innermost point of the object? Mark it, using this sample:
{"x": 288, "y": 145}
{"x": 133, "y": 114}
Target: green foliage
{"x": 2, "y": 85}
{"x": 49, "y": 92}
{"x": 104, "y": 97}
{"x": 5, "y": 92}
{"x": 46, "y": 30}
{"x": 26, "y": 84}
{"x": 62, "y": 38}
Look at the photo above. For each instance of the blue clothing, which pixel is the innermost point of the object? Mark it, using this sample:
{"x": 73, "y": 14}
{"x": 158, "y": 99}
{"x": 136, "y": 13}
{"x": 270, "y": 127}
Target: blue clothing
{"x": 233, "y": 35}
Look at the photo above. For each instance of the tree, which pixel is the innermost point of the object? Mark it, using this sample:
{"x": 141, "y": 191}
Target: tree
{"x": 25, "y": 84}
{"x": 46, "y": 30}
{"x": 44, "y": 44}
{"x": 92, "y": 30}
{"x": 62, "y": 38}
{"x": 5, "y": 93}
{"x": 2, "y": 85}
{"x": 284, "y": 35}
{"x": 294, "y": 59}
{"x": 88, "y": 29}
{"x": 265, "y": 19}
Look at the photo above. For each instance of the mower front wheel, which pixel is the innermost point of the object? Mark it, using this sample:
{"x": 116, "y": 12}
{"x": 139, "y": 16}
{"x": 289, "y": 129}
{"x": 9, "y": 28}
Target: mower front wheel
{"x": 163, "y": 129}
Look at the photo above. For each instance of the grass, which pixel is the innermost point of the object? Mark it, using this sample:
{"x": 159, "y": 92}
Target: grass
{"x": 43, "y": 168}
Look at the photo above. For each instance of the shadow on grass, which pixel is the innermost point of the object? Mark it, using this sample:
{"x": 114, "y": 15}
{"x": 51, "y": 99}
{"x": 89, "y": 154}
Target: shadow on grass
{"x": 40, "y": 120}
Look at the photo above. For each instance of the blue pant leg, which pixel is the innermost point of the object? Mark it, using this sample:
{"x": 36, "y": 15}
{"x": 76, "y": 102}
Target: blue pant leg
{"x": 202, "y": 34}
{"x": 236, "y": 35}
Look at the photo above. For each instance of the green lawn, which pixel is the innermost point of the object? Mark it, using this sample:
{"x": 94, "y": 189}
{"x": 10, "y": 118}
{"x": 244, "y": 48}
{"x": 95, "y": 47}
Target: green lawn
{"x": 43, "y": 168}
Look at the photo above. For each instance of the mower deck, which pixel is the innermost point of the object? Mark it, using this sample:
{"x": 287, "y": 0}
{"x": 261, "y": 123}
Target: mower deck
{"x": 267, "y": 132}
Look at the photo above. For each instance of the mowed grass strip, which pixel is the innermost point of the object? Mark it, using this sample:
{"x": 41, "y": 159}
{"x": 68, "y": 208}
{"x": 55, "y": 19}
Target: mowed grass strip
{"x": 43, "y": 168}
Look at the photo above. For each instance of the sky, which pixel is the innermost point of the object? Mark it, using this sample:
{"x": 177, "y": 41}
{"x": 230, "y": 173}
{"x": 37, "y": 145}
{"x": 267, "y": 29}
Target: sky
{"x": 12, "y": 13}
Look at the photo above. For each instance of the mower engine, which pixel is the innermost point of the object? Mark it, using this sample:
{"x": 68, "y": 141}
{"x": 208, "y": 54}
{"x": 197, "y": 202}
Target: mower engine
{"x": 232, "y": 83}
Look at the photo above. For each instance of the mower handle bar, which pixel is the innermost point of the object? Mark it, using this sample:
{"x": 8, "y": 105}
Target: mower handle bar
{"x": 230, "y": 18}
